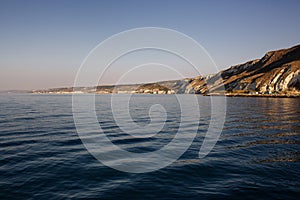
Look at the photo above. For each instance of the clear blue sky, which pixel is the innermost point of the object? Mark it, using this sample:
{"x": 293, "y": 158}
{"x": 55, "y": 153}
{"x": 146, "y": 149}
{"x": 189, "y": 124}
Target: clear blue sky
{"x": 42, "y": 43}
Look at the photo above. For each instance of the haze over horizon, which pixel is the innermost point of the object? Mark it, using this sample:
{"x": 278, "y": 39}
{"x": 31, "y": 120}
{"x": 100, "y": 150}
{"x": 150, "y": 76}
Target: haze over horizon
{"x": 43, "y": 43}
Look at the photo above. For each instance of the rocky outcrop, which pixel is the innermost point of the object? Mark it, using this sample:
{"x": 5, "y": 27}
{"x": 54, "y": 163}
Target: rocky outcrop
{"x": 276, "y": 72}
{"x": 154, "y": 88}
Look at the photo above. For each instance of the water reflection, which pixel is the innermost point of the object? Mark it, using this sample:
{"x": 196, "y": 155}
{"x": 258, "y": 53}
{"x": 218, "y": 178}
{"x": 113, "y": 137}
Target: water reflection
{"x": 265, "y": 123}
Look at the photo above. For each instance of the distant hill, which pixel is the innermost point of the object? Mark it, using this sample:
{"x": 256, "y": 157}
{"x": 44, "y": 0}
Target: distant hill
{"x": 276, "y": 73}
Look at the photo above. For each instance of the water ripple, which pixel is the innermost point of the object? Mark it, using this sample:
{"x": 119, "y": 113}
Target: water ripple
{"x": 42, "y": 157}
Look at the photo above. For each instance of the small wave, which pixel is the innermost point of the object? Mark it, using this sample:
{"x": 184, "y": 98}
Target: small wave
{"x": 265, "y": 142}
{"x": 286, "y": 157}
{"x": 286, "y": 134}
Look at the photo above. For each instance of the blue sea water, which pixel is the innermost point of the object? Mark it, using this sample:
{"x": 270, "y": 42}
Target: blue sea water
{"x": 42, "y": 157}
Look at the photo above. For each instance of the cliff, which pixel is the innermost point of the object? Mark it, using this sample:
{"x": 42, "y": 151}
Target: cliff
{"x": 276, "y": 73}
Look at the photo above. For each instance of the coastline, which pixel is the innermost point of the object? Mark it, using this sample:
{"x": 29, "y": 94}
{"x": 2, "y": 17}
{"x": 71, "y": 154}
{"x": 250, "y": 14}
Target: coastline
{"x": 292, "y": 95}
{"x": 257, "y": 95}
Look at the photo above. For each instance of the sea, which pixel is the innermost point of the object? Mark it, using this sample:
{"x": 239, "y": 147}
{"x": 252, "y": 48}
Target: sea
{"x": 256, "y": 156}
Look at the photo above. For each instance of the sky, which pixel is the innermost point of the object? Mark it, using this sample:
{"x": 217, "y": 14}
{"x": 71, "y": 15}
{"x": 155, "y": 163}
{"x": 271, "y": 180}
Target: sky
{"x": 43, "y": 43}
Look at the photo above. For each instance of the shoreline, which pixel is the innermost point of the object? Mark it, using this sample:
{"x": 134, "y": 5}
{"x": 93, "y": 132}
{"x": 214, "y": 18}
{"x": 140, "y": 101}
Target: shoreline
{"x": 259, "y": 95}
{"x": 212, "y": 94}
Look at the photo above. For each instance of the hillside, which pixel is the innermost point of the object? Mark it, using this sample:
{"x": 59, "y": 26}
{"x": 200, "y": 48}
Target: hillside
{"x": 276, "y": 73}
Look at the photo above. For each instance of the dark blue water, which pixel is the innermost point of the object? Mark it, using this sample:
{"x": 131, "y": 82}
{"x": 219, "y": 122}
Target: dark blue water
{"x": 256, "y": 157}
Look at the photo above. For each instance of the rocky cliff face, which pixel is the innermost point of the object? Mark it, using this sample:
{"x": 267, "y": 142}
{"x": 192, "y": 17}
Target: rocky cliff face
{"x": 277, "y": 71}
